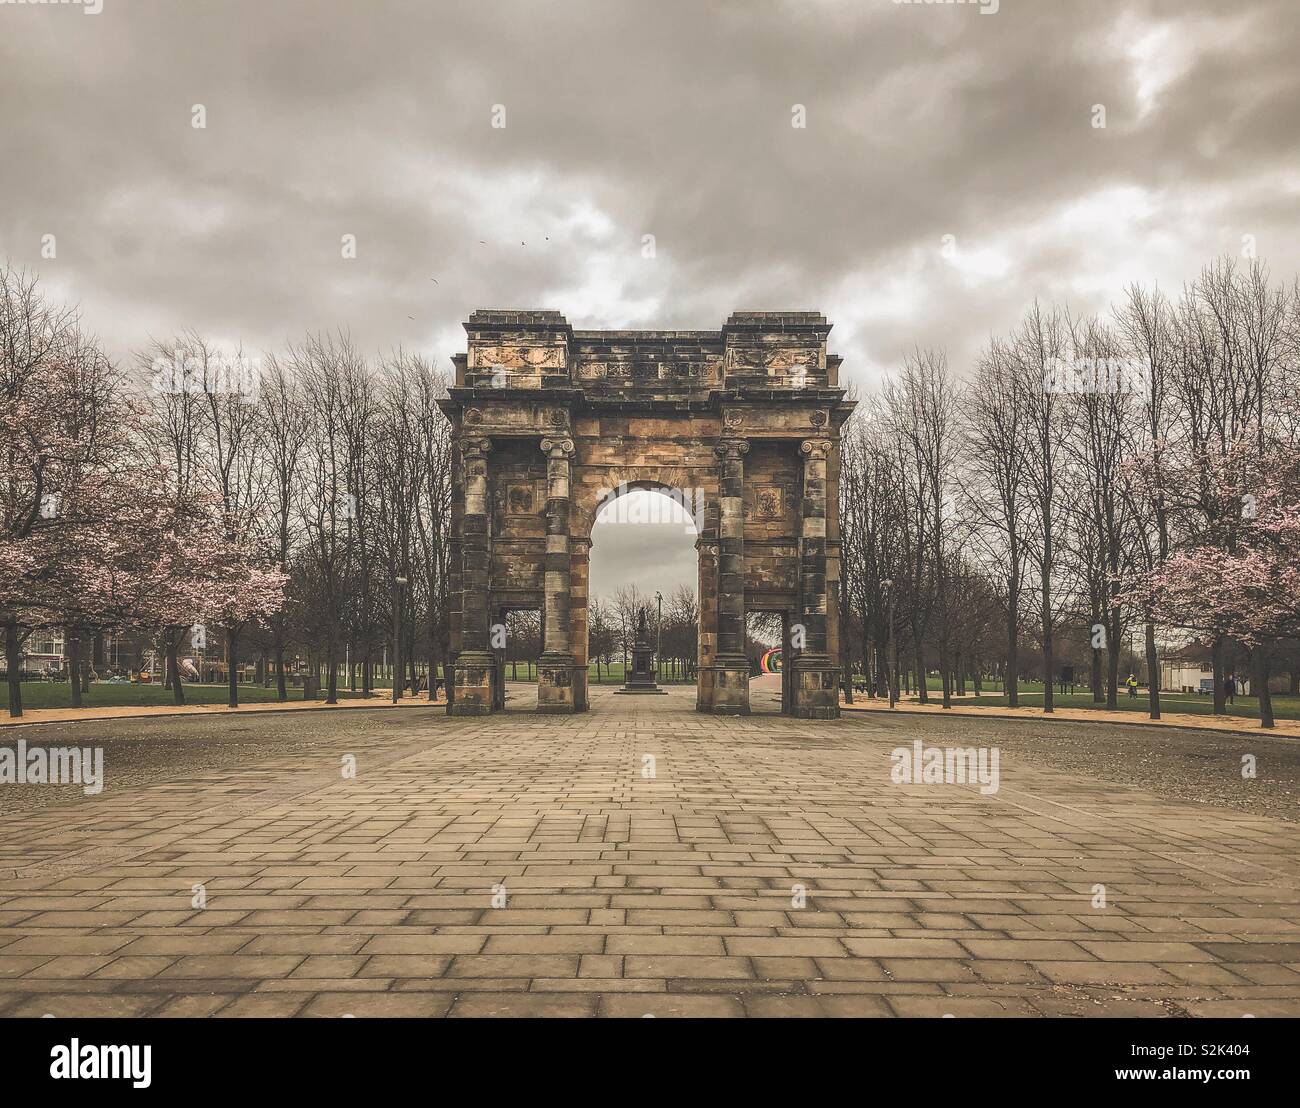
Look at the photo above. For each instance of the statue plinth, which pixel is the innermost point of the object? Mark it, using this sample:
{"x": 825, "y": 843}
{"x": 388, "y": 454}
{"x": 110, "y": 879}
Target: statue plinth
{"x": 641, "y": 678}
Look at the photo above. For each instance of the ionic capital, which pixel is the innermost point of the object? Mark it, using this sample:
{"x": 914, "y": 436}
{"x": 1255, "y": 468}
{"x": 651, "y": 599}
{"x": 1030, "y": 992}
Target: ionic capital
{"x": 474, "y": 449}
{"x": 557, "y": 448}
{"x": 731, "y": 449}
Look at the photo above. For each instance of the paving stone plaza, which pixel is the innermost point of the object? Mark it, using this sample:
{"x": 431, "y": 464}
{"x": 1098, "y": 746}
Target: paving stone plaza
{"x": 638, "y": 859}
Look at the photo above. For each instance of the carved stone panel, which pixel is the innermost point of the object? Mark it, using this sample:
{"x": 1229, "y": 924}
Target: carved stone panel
{"x": 521, "y": 499}
{"x": 769, "y": 502}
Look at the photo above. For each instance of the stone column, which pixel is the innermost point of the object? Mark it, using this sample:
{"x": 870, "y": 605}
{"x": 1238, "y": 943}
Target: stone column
{"x": 555, "y": 666}
{"x": 475, "y": 663}
{"x": 707, "y": 646}
{"x": 730, "y": 664}
{"x": 579, "y": 574}
{"x": 816, "y": 684}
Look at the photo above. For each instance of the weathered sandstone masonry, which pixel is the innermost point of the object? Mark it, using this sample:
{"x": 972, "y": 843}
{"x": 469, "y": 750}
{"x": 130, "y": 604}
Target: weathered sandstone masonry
{"x": 740, "y": 425}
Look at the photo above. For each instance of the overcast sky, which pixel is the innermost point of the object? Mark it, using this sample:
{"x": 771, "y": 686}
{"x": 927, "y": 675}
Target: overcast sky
{"x": 625, "y": 119}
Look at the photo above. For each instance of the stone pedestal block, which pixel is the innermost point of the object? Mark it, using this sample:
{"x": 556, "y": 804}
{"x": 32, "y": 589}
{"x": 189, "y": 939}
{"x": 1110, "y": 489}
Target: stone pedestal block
{"x": 472, "y": 677}
{"x": 555, "y": 693}
{"x": 816, "y": 687}
{"x": 730, "y": 686}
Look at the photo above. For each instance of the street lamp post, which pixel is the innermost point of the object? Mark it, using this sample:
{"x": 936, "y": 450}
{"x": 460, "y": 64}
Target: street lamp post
{"x": 398, "y": 582}
{"x": 659, "y": 634}
{"x": 887, "y": 587}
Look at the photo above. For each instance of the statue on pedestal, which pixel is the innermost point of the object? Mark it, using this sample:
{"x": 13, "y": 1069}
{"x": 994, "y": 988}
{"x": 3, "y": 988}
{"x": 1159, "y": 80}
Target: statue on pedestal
{"x": 641, "y": 677}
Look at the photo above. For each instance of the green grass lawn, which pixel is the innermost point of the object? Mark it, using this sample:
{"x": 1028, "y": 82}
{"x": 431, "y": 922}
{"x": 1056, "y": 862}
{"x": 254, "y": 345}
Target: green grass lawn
{"x": 609, "y": 675}
{"x": 1284, "y": 707}
{"x": 47, "y": 694}
{"x": 613, "y": 675}
{"x": 1031, "y": 695}
{"x": 50, "y": 694}
{"x": 58, "y": 694}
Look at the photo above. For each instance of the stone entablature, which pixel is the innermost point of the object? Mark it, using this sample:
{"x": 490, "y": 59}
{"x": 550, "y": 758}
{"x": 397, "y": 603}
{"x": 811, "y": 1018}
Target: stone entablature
{"x": 740, "y": 423}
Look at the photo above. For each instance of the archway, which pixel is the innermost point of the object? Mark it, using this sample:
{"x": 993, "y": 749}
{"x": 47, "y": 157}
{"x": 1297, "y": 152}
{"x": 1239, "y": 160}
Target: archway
{"x": 741, "y": 425}
{"x": 643, "y": 553}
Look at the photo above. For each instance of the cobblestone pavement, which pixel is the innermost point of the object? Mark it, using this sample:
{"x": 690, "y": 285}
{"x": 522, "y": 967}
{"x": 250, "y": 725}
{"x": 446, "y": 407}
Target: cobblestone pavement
{"x": 626, "y": 894}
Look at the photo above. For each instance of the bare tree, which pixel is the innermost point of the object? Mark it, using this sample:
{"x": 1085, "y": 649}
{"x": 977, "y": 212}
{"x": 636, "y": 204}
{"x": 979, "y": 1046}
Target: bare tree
{"x": 995, "y": 484}
{"x": 1039, "y": 347}
{"x": 285, "y": 431}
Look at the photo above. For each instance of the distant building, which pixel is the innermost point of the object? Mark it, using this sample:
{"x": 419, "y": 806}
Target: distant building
{"x": 1190, "y": 670}
{"x": 45, "y": 654}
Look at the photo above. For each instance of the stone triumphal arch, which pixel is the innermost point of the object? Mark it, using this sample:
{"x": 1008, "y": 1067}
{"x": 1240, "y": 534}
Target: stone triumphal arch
{"x": 742, "y": 424}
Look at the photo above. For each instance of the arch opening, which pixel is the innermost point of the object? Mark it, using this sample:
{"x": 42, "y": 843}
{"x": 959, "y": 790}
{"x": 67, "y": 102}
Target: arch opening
{"x": 643, "y": 554}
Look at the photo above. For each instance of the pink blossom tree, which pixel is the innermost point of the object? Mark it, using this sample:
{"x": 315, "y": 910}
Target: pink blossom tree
{"x": 1248, "y": 587}
{"x": 95, "y": 535}
{"x": 65, "y": 427}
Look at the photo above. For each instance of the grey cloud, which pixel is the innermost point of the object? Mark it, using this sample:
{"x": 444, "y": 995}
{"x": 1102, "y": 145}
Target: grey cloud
{"x": 630, "y": 118}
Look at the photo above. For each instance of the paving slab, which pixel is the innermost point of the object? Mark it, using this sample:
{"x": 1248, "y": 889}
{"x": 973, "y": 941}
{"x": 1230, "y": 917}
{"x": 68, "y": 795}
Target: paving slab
{"x": 526, "y": 865}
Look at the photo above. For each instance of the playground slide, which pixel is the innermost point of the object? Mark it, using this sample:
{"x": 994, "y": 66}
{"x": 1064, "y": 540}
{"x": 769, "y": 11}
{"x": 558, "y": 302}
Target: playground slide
{"x": 188, "y": 669}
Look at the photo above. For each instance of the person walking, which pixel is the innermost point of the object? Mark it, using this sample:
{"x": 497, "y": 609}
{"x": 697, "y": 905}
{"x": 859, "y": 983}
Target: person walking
{"x": 1132, "y": 684}
{"x": 1231, "y": 688}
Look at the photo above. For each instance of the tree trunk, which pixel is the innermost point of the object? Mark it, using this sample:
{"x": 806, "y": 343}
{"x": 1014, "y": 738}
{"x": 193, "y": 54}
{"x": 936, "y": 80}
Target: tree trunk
{"x": 1259, "y": 656}
{"x": 173, "y": 663}
{"x": 1095, "y": 678}
{"x": 846, "y": 677}
{"x": 846, "y": 651}
{"x": 435, "y": 647}
{"x": 1011, "y": 675}
{"x": 74, "y": 668}
{"x": 232, "y": 670}
{"x": 13, "y": 662}
{"x": 1049, "y": 655}
{"x": 1153, "y": 671}
{"x": 1220, "y": 690}
{"x": 281, "y": 687}
{"x": 1112, "y": 660}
